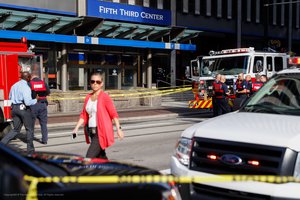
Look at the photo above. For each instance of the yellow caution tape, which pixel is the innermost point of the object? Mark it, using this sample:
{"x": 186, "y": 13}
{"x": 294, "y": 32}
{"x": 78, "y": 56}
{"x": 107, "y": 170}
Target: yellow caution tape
{"x": 33, "y": 193}
{"x": 144, "y": 94}
{"x": 162, "y": 179}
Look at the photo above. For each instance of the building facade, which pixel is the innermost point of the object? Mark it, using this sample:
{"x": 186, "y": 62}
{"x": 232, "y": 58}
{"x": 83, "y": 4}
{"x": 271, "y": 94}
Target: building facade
{"x": 136, "y": 43}
{"x": 128, "y": 41}
{"x": 226, "y": 24}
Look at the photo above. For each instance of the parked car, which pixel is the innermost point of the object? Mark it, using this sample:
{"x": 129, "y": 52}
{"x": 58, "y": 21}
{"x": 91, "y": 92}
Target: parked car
{"x": 14, "y": 165}
{"x": 262, "y": 138}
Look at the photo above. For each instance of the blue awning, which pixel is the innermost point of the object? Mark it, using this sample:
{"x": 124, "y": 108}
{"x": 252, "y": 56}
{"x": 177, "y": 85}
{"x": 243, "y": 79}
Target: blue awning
{"x": 90, "y": 30}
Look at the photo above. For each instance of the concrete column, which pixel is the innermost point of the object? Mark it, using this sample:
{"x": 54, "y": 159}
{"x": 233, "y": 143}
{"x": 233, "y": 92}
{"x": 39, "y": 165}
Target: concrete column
{"x": 85, "y": 78}
{"x": 64, "y": 68}
{"x": 120, "y": 72}
{"x": 135, "y": 72}
{"x": 81, "y": 5}
{"x": 173, "y": 68}
{"x": 134, "y": 78}
{"x": 144, "y": 63}
{"x": 146, "y": 3}
{"x": 57, "y": 64}
{"x": 104, "y": 79}
{"x": 173, "y": 52}
{"x": 149, "y": 69}
{"x": 139, "y": 70}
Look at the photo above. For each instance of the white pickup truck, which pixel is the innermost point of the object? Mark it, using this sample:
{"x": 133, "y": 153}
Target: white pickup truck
{"x": 262, "y": 138}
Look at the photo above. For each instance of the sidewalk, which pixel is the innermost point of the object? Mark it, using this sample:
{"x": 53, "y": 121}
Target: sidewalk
{"x": 127, "y": 115}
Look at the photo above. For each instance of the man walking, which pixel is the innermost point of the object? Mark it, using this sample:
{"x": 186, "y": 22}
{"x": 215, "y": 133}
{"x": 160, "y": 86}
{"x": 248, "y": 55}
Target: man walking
{"x": 40, "y": 91}
{"x": 20, "y": 96}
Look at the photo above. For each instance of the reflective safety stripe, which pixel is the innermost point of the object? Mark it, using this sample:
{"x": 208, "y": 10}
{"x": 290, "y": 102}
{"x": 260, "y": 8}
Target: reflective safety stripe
{"x": 202, "y": 104}
{"x": 7, "y": 102}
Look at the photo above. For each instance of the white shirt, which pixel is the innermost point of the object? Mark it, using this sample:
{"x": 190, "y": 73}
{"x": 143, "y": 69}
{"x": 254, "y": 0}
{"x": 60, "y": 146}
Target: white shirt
{"x": 91, "y": 109}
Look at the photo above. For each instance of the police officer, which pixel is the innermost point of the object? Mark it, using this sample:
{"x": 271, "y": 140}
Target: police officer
{"x": 215, "y": 85}
{"x": 40, "y": 90}
{"x": 20, "y": 96}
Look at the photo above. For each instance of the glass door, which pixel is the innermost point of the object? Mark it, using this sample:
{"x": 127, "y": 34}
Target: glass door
{"x": 112, "y": 78}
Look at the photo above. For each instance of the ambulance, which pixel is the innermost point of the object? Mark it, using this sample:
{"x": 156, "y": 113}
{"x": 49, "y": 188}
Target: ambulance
{"x": 230, "y": 62}
{"x": 14, "y": 58}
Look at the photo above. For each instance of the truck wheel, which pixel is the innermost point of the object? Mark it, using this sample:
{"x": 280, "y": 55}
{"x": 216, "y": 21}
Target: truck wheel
{"x": 4, "y": 129}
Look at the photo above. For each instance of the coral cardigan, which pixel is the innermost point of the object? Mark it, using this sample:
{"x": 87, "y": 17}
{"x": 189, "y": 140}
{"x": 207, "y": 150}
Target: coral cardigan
{"x": 106, "y": 112}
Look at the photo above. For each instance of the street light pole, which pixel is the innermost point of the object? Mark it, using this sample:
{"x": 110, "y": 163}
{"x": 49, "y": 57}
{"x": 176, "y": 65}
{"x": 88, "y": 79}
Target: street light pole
{"x": 290, "y": 27}
{"x": 266, "y": 23}
{"x": 239, "y": 24}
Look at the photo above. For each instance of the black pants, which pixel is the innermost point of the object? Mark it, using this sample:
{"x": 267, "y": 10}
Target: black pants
{"x": 20, "y": 118}
{"x": 40, "y": 112}
{"x": 94, "y": 150}
{"x": 223, "y": 106}
{"x": 215, "y": 106}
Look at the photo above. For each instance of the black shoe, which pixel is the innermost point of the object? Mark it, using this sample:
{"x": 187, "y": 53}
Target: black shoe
{"x": 42, "y": 142}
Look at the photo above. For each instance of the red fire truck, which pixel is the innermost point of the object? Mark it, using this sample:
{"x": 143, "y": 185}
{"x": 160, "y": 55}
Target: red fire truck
{"x": 14, "y": 58}
{"x": 230, "y": 62}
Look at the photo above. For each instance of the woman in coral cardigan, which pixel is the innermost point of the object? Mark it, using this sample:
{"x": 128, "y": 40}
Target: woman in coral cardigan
{"x": 97, "y": 115}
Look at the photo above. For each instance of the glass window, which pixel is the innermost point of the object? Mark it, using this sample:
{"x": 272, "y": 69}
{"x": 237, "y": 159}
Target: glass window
{"x": 195, "y": 68}
{"x": 127, "y": 78}
{"x": 112, "y": 79}
{"x": 278, "y": 63}
{"x": 179, "y": 6}
{"x": 139, "y": 2}
{"x": 153, "y": 3}
{"x": 269, "y": 64}
{"x": 258, "y": 64}
{"x": 167, "y": 4}
{"x": 124, "y": 1}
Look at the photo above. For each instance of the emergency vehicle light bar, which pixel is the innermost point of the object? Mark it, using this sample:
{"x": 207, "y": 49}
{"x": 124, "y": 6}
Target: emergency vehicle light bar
{"x": 231, "y": 51}
{"x": 294, "y": 61}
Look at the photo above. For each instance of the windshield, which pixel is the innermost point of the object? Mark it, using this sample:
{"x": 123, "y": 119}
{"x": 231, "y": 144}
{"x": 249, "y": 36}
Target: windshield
{"x": 280, "y": 95}
{"x": 224, "y": 65}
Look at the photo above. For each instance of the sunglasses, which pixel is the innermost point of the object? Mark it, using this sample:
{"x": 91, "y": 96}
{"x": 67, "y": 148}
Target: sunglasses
{"x": 98, "y": 82}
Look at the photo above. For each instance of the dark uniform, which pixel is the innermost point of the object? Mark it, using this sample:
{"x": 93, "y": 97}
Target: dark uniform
{"x": 39, "y": 110}
{"x": 214, "y": 103}
{"x": 240, "y": 97}
{"x": 220, "y": 90}
{"x": 249, "y": 88}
